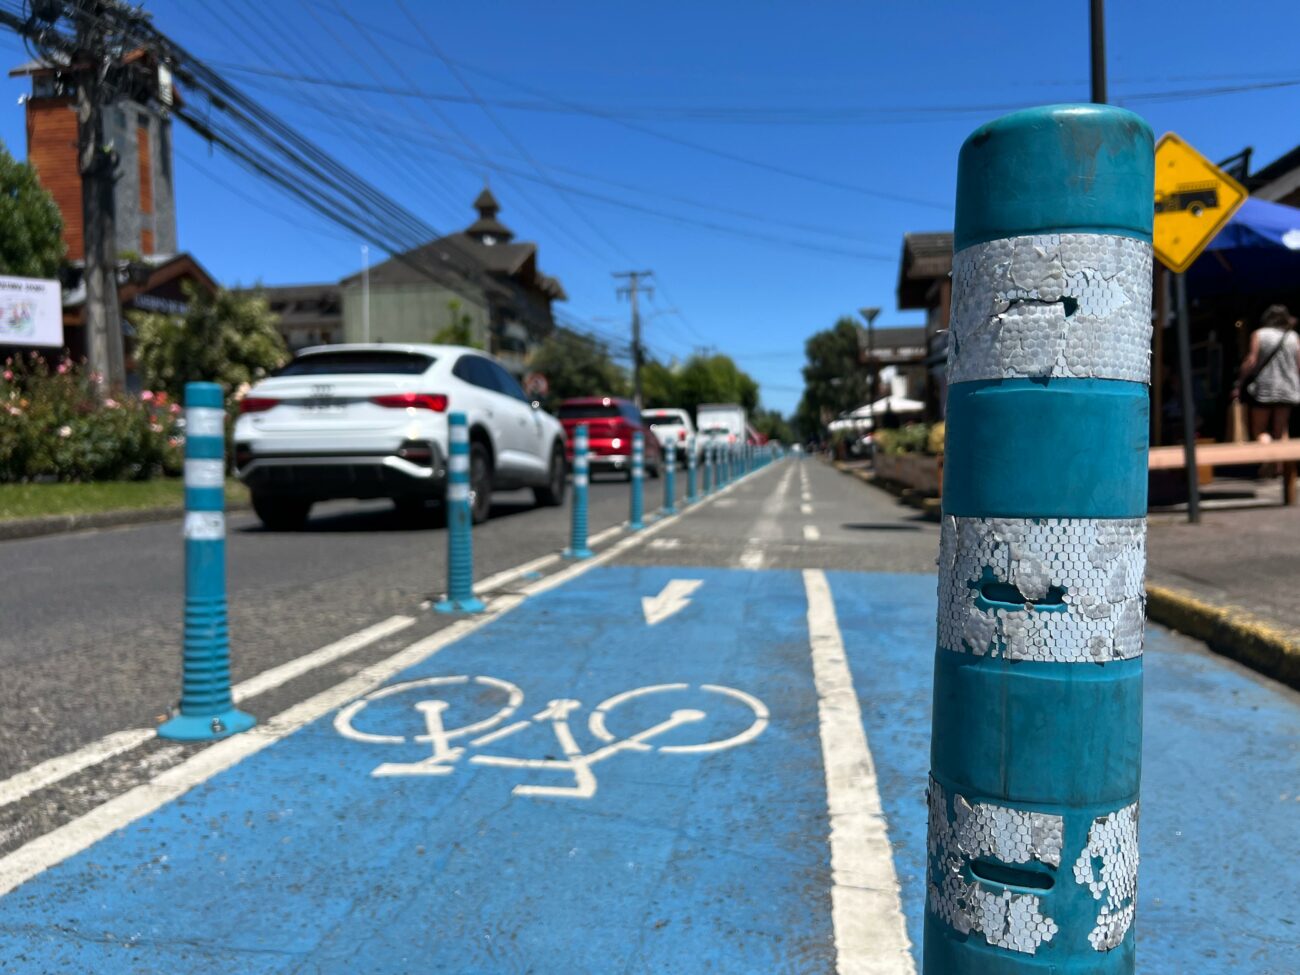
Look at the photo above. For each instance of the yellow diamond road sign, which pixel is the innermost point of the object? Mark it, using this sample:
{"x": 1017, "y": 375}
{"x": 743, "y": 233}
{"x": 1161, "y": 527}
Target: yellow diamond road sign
{"x": 1194, "y": 199}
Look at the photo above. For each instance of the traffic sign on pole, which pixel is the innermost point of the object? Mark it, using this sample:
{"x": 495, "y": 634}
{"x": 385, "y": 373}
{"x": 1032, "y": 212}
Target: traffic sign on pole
{"x": 1193, "y": 200}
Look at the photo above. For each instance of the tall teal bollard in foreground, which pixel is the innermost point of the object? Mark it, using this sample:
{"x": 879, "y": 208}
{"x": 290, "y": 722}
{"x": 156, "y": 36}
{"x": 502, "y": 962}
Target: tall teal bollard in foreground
{"x": 460, "y": 545}
{"x": 670, "y": 478}
{"x": 207, "y": 709}
{"x": 578, "y": 546}
{"x": 635, "y": 519}
{"x": 691, "y": 460}
{"x": 1035, "y": 754}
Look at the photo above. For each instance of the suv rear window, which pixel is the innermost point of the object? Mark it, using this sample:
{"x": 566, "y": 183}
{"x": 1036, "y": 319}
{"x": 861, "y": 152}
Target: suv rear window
{"x": 588, "y": 411}
{"x": 358, "y": 363}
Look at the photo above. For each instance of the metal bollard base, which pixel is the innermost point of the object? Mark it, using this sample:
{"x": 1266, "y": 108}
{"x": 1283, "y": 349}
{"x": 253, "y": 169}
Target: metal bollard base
{"x": 582, "y": 553}
{"x": 206, "y": 727}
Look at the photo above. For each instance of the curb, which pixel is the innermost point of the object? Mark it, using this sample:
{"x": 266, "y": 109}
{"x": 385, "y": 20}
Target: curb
{"x": 1229, "y": 630}
{"x": 17, "y": 528}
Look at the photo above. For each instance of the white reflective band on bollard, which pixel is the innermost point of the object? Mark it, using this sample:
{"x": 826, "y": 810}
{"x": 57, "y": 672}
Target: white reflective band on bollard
{"x": 1054, "y": 305}
{"x": 459, "y": 434}
{"x": 204, "y": 421}
{"x": 580, "y": 479}
{"x": 457, "y": 492}
{"x": 205, "y": 473}
{"x": 458, "y": 463}
{"x": 205, "y": 526}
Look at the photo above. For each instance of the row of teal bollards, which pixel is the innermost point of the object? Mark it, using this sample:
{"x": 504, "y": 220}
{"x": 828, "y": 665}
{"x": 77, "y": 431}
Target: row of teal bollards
{"x": 207, "y": 709}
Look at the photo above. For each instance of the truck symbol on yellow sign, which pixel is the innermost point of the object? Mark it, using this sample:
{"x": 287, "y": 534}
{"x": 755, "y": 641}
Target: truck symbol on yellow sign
{"x": 1193, "y": 200}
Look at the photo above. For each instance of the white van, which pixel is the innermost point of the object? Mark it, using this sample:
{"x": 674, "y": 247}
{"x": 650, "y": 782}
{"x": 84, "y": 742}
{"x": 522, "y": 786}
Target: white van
{"x": 720, "y": 424}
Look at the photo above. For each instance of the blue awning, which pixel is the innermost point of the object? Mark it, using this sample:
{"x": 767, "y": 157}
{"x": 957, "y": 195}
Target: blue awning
{"x": 1256, "y": 253}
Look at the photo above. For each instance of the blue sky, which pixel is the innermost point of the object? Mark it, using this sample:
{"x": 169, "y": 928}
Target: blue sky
{"x": 870, "y": 101}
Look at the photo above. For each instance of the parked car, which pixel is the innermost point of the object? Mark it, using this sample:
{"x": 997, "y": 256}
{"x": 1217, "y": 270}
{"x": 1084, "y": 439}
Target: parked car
{"x": 721, "y": 424}
{"x": 370, "y": 421}
{"x": 610, "y": 424}
{"x": 671, "y": 424}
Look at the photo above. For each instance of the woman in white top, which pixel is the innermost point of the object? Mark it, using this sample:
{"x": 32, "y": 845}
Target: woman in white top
{"x": 1270, "y": 374}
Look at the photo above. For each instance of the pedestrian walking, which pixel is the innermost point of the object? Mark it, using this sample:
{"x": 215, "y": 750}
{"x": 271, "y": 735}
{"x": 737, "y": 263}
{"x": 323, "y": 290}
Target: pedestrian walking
{"x": 1269, "y": 381}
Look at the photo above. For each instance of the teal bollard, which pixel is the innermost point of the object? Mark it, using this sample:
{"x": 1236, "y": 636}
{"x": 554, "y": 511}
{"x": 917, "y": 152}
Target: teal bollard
{"x": 691, "y": 496}
{"x": 460, "y": 545}
{"x": 1037, "y": 715}
{"x": 708, "y": 469}
{"x": 207, "y": 709}
{"x": 670, "y": 479}
{"x": 636, "y": 515}
{"x": 578, "y": 545}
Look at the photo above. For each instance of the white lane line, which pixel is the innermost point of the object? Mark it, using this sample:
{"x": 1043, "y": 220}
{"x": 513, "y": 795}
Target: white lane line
{"x": 811, "y": 533}
{"x": 806, "y": 496}
{"x": 805, "y": 509}
{"x": 270, "y": 679}
{"x": 866, "y": 908}
{"x": 56, "y": 769}
{"x": 70, "y": 839}
{"x": 499, "y": 580}
{"x": 47, "y": 773}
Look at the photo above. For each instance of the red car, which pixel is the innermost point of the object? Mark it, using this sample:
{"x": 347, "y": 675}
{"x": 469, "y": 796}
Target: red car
{"x": 610, "y": 424}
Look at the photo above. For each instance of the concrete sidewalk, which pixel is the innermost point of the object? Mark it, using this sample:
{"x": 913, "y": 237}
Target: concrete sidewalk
{"x": 1231, "y": 581}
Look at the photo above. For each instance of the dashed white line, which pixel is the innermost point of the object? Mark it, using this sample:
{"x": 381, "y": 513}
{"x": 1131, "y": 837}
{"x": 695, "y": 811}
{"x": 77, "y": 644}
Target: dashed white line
{"x": 811, "y": 533}
{"x": 866, "y": 907}
{"x": 805, "y": 509}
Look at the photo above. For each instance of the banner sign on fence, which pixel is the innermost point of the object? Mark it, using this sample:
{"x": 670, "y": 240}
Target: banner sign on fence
{"x": 31, "y": 312}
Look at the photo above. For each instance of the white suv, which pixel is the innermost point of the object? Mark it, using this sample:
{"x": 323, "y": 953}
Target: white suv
{"x": 670, "y": 424}
{"x": 370, "y": 421}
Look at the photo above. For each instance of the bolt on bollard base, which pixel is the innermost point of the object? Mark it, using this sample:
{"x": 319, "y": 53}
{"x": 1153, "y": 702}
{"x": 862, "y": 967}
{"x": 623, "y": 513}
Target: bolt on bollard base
{"x": 460, "y": 547}
{"x": 207, "y": 709}
{"x": 1037, "y": 712}
{"x": 578, "y": 548}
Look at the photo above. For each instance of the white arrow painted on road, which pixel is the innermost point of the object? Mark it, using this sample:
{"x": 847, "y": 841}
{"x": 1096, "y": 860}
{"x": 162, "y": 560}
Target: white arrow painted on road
{"x": 674, "y": 598}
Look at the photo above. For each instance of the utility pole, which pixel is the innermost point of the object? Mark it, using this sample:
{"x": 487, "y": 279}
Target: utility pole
{"x": 97, "y": 163}
{"x": 632, "y": 289}
{"x": 869, "y": 315}
{"x": 1098, "y": 18}
{"x": 365, "y": 293}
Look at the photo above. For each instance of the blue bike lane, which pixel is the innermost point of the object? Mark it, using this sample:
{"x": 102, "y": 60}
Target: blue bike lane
{"x": 699, "y": 848}
{"x": 573, "y": 789}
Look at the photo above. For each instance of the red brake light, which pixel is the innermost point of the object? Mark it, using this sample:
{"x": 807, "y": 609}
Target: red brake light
{"x": 681, "y": 434}
{"x": 418, "y": 401}
{"x": 257, "y": 404}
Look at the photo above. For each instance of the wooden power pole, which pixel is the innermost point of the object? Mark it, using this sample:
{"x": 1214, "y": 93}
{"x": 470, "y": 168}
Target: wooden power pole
{"x": 634, "y": 287}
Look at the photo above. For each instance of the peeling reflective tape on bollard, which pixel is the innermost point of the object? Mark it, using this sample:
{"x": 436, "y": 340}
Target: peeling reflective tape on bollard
{"x": 1037, "y": 716}
{"x": 205, "y": 526}
{"x": 207, "y": 708}
{"x": 204, "y": 421}
{"x": 205, "y": 473}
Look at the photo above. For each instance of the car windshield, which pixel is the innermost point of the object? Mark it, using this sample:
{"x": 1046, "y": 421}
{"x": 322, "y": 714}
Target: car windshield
{"x": 587, "y": 411}
{"x": 358, "y": 362}
{"x": 662, "y": 419}
{"x": 717, "y": 429}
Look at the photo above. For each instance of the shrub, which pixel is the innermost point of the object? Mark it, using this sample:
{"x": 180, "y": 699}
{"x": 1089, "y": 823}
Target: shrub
{"x": 53, "y": 425}
{"x": 911, "y": 439}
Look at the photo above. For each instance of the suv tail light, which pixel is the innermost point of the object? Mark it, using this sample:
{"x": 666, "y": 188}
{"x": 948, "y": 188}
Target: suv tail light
{"x": 681, "y": 434}
{"x": 257, "y": 404}
{"x": 413, "y": 401}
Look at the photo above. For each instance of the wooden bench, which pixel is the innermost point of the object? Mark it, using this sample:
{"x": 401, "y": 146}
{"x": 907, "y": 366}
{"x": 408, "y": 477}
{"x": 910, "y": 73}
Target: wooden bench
{"x": 1285, "y": 452}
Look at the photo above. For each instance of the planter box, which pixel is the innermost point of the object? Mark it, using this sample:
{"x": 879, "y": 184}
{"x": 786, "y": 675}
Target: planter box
{"x": 921, "y": 472}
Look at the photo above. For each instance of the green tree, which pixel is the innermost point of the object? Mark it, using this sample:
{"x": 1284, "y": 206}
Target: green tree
{"x": 658, "y": 384}
{"x": 459, "y": 330}
{"x": 575, "y": 365}
{"x": 771, "y": 424}
{"x": 228, "y": 338}
{"x": 833, "y": 379}
{"x": 31, "y": 228}
{"x": 713, "y": 379}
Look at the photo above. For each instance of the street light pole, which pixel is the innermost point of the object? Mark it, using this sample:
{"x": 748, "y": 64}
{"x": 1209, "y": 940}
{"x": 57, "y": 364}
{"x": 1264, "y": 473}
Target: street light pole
{"x": 869, "y": 315}
{"x": 1098, "y": 23}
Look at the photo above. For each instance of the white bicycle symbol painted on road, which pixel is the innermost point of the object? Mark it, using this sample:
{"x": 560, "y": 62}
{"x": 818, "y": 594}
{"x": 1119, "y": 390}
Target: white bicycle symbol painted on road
{"x": 449, "y": 745}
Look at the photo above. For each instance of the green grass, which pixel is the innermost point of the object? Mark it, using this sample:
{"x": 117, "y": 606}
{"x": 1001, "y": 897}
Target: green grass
{"x": 34, "y": 500}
